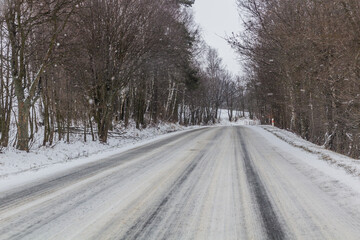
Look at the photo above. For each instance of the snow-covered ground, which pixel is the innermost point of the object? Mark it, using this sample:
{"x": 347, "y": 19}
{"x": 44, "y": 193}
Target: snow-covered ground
{"x": 333, "y": 167}
{"x": 240, "y": 120}
{"x": 18, "y": 166}
{"x": 233, "y": 182}
{"x": 350, "y": 165}
{"x": 13, "y": 161}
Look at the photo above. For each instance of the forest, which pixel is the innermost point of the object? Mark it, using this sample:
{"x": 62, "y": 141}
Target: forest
{"x": 303, "y": 67}
{"x": 94, "y": 66}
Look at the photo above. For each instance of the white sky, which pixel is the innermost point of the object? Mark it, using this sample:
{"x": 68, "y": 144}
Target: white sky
{"x": 218, "y": 18}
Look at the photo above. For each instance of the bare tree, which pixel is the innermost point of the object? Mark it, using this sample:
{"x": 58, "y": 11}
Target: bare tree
{"x": 303, "y": 67}
{"x": 22, "y": 19}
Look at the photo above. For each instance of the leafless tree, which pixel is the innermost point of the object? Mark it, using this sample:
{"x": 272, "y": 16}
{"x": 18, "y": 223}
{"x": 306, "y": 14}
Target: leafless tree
{"x": 303, "y": 67}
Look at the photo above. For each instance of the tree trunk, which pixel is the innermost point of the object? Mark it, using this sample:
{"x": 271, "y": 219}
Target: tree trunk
{"x": 23, "y": 128}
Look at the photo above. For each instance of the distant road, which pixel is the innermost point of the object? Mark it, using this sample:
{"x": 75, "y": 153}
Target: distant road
{"x": 210, "y": 183}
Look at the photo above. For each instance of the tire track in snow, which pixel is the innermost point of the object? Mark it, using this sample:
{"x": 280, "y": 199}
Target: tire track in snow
{"x": 271, "y": 223}
{"x": 141, "y": 227}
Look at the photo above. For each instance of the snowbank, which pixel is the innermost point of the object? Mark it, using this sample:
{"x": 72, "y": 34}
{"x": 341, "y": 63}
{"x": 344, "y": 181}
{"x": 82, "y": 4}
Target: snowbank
{"x": 350, "y": 165}
{"x": 13, "y": 162}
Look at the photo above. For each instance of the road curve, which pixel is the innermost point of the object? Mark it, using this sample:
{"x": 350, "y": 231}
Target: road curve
{"x": 210, "y": 183}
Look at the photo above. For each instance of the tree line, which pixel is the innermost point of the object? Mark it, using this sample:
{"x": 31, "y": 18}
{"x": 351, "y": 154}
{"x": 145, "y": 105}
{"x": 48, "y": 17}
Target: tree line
{"x": 303, "y": 67}
{"x": 97, "y": 64}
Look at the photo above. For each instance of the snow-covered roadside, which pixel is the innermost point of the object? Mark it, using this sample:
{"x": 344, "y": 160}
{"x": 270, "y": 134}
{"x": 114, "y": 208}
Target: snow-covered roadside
{"x": 350, "y": 165}
{"x": 18, "y": 168}
{"x": 339, "y": 167}
{"x": 14, "y": 162}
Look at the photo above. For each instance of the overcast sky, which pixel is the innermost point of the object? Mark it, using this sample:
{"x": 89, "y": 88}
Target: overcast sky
{"x": 218, "y": 18}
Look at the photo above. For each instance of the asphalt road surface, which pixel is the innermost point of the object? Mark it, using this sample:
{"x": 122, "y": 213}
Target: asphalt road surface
{"x": 210, "y": 183}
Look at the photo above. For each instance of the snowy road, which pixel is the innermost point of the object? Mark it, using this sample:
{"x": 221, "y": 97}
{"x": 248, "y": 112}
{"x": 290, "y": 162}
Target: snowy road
{"x": 209, "y": 183}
